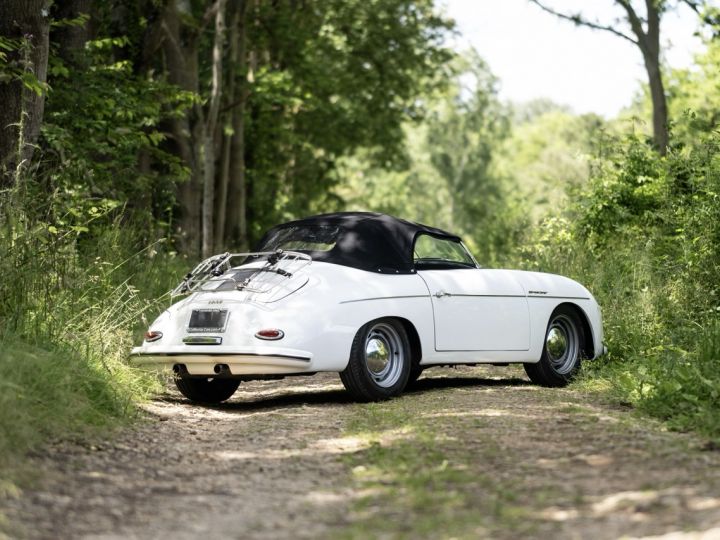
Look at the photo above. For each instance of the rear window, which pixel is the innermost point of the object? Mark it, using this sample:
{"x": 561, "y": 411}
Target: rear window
{"x": 317, "y": 238}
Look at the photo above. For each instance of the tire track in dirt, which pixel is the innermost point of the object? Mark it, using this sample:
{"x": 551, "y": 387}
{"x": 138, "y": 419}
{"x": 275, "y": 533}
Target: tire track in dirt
{"x": 269, "y": 464}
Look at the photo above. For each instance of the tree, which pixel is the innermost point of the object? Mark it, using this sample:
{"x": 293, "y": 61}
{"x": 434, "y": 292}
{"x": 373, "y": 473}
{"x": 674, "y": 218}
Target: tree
{"x": 24, "y": 46}
{"x": 643, "y": 31}
{"x": 451, "y": 178}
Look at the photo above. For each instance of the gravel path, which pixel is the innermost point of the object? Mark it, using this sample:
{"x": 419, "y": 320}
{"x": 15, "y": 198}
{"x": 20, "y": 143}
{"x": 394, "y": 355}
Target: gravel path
{"x": 272, "y": 463}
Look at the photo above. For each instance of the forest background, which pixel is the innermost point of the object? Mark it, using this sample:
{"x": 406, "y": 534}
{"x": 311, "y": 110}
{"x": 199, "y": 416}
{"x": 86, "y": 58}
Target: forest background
{"x": 138, "y": 136}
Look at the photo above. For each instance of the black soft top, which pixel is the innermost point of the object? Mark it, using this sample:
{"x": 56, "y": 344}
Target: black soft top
{"x": 364, "y": 240}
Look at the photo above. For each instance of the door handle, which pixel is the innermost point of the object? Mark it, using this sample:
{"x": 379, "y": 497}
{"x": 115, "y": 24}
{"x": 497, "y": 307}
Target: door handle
{"x": 440, "y": 294}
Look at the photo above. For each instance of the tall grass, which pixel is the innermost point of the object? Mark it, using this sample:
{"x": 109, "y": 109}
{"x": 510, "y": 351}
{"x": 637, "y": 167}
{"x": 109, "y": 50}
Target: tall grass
{"x": 73, "y": 299}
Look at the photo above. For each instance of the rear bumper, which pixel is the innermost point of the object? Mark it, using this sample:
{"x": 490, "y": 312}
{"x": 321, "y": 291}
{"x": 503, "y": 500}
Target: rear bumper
{"x": 201, "y": 361}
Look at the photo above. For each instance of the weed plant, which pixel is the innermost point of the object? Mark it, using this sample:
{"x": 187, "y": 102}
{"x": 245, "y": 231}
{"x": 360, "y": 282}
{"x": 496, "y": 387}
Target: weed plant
{"x": 74, "y": 289}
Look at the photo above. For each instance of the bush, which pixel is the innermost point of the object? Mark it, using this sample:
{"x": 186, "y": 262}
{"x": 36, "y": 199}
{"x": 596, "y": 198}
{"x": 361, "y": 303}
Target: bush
{"x": 644, "y": 236}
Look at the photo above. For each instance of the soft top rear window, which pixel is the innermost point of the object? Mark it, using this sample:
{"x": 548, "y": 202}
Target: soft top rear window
{"x": 302, "y": 238}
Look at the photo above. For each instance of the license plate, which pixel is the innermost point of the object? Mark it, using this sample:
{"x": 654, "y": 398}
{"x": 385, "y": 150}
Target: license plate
{"x": 208, "y": 320}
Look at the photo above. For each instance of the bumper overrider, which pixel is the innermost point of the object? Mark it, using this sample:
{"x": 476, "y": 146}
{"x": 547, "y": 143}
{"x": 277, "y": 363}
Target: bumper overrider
{"x": 214, "y": 360}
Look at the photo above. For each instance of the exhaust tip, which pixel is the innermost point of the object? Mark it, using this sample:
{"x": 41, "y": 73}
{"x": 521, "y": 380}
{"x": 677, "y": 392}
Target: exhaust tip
{"x": 222, "y": 369}
{"x": 179, "y": 369}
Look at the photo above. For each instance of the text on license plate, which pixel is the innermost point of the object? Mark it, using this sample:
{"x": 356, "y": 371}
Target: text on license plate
{"x": 210, "y": 320}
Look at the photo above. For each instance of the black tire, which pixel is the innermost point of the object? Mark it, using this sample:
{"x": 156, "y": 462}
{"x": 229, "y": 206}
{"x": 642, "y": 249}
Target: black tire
{"x": 380, "y": 359}
{"x": 415, "y": 372}
{"x": 562, "y": 350}
{"x": 207, "y": 390}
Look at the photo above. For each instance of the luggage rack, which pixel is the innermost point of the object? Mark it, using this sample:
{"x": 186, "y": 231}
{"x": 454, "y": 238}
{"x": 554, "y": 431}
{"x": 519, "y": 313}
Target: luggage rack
{"x": 207, "y": 276}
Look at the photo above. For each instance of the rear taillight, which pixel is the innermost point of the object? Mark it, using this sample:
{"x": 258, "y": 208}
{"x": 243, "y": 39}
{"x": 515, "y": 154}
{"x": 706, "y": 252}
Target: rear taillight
{"x": 270, "y": 334}
{"x": 152, "y": 335}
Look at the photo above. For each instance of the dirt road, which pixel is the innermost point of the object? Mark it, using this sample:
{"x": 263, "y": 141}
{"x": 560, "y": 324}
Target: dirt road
{"x": 473, "y": 452}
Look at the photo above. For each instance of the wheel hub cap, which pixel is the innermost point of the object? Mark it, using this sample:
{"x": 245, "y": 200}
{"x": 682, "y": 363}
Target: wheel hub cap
{"x": 556, "y": 343}
{"x": 377, "y": 354}
{"x": 562, "y": 344}
{"x": 384, "y": 354}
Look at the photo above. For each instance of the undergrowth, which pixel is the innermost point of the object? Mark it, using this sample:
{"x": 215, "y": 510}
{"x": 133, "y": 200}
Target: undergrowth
{"x": 644, "y": 237}
{"x": 75, "y": 289}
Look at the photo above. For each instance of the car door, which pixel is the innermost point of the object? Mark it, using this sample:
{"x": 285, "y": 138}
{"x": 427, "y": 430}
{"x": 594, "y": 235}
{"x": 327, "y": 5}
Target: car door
{"x": 474, "y": 309}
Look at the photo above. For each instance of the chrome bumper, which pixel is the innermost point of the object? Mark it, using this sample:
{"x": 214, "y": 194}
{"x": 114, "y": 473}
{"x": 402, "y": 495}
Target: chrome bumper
{"x": 232, "y": 362}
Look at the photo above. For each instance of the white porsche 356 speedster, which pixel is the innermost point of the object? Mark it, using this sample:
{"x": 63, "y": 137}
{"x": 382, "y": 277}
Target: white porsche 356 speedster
{"x": 377, "y": 299}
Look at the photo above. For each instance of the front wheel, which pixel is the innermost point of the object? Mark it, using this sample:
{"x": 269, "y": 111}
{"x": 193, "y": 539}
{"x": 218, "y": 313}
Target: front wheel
{"x": 207, "y": 390}
{"x": 562, "y": 350}
{"x": 379, "y": 364}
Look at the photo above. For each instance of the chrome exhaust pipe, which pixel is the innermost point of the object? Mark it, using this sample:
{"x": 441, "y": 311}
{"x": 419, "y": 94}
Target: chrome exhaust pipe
{"x": 179, "y": 369}
{"x": 222, "y": 369}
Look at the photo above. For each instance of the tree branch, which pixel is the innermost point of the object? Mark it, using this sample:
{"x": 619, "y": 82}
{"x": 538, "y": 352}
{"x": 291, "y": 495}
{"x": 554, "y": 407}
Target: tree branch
{"x": 580, "y": 21}
{"x": 695, "y": 6}
{"x": 635, "y": 22}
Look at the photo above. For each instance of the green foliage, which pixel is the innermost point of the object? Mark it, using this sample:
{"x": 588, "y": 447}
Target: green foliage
{"x": 72, "y": 299}
{"x": 340, "y": 77}
{"x": 13, "y": 65}
{"x": 48, "y": 392}
{"x": 548, "y": 154}
{"x": 451, "y": 178}
{"x": 644, "y": 236}
{"x": 101, "y": 122}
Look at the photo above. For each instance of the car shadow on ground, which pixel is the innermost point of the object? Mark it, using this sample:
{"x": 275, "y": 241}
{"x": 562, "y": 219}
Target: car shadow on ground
{"x": 286, "y": 396}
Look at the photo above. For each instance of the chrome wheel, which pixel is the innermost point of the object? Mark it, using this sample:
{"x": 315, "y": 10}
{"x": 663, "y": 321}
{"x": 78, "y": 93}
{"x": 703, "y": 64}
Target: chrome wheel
{"x": 384, "y": 354}
{"x": 379, "y": 363}
{"x": 562, "y": 344}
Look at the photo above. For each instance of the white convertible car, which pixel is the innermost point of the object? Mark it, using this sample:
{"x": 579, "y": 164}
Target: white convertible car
{"x": 377, "y": 299}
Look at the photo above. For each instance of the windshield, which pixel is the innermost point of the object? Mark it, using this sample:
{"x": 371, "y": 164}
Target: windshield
{"x": 302, "y": 238}
{"x": 440, "y": 253}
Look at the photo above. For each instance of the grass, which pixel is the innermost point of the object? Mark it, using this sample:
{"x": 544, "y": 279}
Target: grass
{"x": 70, "y": 309}
{"x": 418, "y": 480}
{"x": 47, "y": 393}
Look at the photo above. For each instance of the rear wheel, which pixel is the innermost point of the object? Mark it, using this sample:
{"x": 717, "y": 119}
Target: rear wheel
{"x": 415, "y": 373}
{"x": 207, "y": 390}
{"x": 379, "y": 364}
{"x": 562, "y": 350}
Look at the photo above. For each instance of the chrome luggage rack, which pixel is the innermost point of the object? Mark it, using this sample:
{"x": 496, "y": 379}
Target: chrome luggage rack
{"x": 278, "y": 268}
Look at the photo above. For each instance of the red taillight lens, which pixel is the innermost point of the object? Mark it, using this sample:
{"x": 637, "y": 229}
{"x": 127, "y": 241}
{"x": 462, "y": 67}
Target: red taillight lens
{"x": 152, "y": 335}
{"x": 270, "y": 334}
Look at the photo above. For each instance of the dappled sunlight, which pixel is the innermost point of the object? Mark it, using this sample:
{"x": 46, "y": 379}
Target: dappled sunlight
{"x": 479, "y": 413}
{"x": 639, "y": 506}
{"x": 708, "y": 534}
{"x": 329, "y": 446}
{"x": 324, "y": 446}
{"x": 593, "y": 460}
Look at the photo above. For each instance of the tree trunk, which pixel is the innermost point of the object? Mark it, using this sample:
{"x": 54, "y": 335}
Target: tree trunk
{"x": 650, "y": 46}
{"x": 659, "y": 105}
{"x": 647, "y": 38}
{"x": 236, "y": 222}
{"x": 180, "y": 53}
{"x": 221, "y": 202}
{"x": 209, "y": 129}
{"x": 648, "y": 41}
{"x": 71, "y": 39}
{"x": 27, "y": 20}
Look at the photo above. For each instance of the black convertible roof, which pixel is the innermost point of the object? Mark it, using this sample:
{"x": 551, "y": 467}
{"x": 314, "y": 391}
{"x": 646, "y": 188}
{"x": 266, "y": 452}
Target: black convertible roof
{"x": 364, "y": 240}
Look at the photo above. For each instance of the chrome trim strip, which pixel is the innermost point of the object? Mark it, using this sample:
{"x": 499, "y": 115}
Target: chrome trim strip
{"x": 202, "y": 340}
{"x": 385, "y": 298}
{"x": 560, "y": 297}
{"x": 486, "y": 295}
{"x": 468, "y": 295}
{"x": 290, "y": 357}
